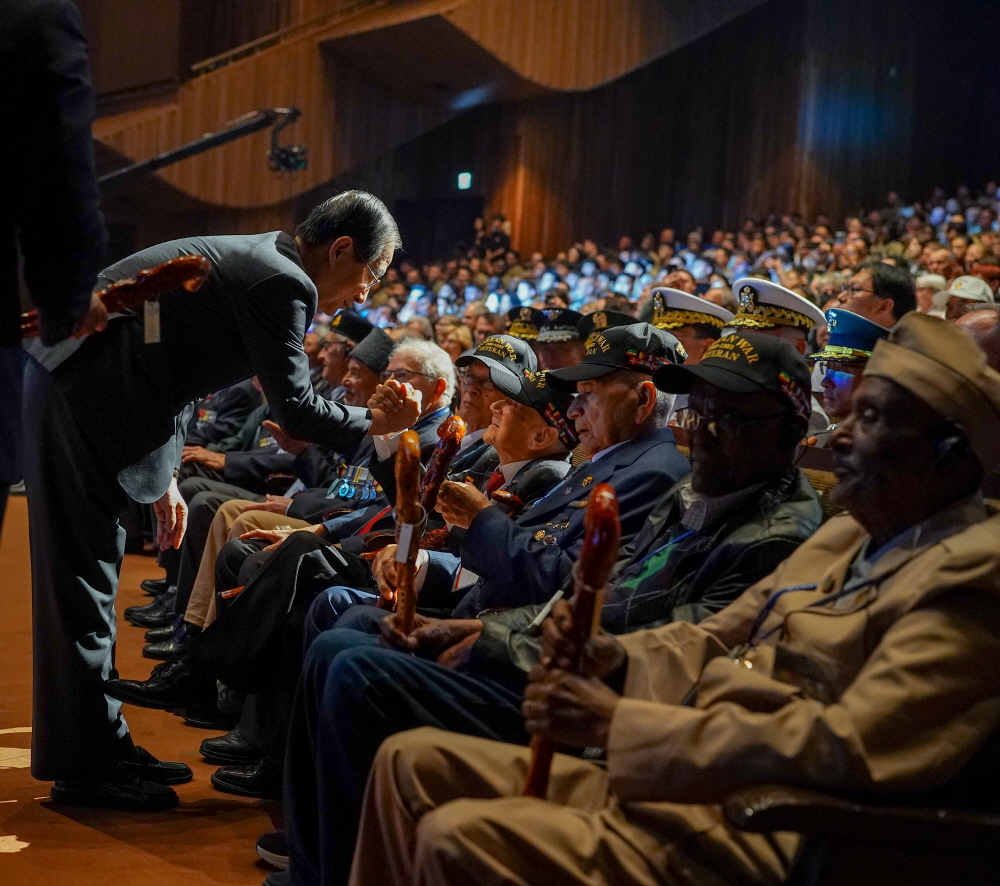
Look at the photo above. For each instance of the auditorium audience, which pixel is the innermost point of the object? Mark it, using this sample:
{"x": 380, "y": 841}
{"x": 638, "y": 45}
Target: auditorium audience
{"x": 543, "y": 357}
{"x": 865, "y": 665}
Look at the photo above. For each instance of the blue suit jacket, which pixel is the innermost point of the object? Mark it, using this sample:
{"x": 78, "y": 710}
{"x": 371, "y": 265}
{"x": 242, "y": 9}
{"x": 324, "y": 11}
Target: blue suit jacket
{"x": 526, "y": 560}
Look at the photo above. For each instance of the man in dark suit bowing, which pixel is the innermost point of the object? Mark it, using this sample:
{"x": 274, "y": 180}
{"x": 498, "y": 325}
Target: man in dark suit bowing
{"x": 106, "y": 421}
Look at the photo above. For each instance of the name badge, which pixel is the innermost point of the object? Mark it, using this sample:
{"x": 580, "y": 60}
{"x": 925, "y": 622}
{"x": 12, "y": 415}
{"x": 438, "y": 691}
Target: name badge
{"x": 151, "y": 322}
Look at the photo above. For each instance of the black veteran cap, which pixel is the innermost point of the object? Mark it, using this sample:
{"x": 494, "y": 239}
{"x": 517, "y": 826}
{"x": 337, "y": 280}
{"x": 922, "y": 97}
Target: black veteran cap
{"x": 504, "y": 355}
{"x": 600, "y": 320}
{"x": 351, "y": 325}
{"x": 521, "y": 324}
{"x": 556, "y": 324}
{"x": 639, "y": 347}
{"x": 374, "y": 350}
{"x": 745, "y": 362}
{"x": 533, "y": 389}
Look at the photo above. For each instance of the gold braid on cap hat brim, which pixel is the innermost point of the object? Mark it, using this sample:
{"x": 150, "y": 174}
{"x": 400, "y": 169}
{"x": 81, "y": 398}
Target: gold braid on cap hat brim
{"x": 677, "y": 318}
{"x": 522, "y": 330}
{"x": 837, "y": 354}
{"x": 767, "y": 317}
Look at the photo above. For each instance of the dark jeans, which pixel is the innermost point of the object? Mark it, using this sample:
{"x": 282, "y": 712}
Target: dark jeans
{"x": 353, "y": 694}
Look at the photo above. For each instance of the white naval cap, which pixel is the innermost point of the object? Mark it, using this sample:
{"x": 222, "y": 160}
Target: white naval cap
{"x": 766, "y": 305}
{"x": 673, "y": 309}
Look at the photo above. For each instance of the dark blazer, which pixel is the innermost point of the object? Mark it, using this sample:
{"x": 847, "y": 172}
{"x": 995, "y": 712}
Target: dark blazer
{"x": 50, "y": 206}
{"x": 526, "y": 560}
{"x": 222, "y": 414}
{"x": 704, "y": 573}
{"x": 133, "y": 400}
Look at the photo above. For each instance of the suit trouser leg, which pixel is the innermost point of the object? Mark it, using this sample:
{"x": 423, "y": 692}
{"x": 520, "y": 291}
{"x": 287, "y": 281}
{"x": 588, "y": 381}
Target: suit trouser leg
{"x": 352, "y": 695}
{"x": 445, "y": 809}
{"x": 202, "y": 508}
{"x": 228, "y": 525}
{"x": 77, "y": 547}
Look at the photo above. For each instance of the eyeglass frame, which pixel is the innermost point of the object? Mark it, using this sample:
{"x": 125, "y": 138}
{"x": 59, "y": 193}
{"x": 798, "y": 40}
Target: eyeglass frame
{"x": 386, "y": 374}
{"x": 376, "y": 278}
{"x": 690, "y": 419}
{"x": 484, "y": 385}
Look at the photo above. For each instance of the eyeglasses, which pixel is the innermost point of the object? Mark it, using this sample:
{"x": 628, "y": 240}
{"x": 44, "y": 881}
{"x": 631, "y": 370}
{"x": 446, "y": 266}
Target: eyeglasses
{"x": 375, "y": 277}
{"x": 854, "y": 290}
{"x": 852, "y": 369}
{"x": 728, "y": 424}
{"x": 402, "y": 375}
{"x": 467, "y": 380}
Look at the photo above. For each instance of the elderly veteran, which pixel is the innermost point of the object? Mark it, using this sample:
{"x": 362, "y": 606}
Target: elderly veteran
{"x": 841, "y": 364}
{"x": 867, "y": 664}
{"x": 559, "y": 343}
{"x": 695, "y": 322}
{"x": 521, "y": 324}
{"x": 773, "y": 310}
{"x": 963, "y": 292}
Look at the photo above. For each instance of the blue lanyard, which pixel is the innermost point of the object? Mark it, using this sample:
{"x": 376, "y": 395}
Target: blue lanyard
{"x": 664, "y": 546}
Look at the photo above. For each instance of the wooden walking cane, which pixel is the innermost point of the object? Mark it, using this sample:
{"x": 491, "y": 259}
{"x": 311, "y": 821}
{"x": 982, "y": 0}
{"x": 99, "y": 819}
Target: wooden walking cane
{"x": 410, "y": 520}
{"x": 188, "y": 271}
{"x": 601, "y": 530}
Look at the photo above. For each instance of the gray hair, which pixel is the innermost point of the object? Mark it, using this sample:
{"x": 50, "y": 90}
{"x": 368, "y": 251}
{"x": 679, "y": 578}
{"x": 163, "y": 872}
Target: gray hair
{"x": 432, "y": 360}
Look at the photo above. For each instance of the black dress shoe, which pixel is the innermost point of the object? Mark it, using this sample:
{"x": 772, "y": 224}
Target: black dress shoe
{"x": 170, "y": 686}
{"x": 278, "y": 878}
{"x": 157, "y": 635}
{"x": 142, "y": 764}
{"x": 261, "y": 780}
{"x": 122, "y": 790}
{"x": 154, "y": 586}
{"x": 231, "y": 748}
{"x": 157, "y": 614}
{"x": 176, "y": 646}
{"x": 273, "y": 848}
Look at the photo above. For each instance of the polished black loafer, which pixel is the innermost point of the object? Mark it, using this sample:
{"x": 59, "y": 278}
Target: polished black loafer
{"x": 261, "y": 780}
{"x": 119, "y": 791}
{"x": 170, "y": 686}
{"x": 140, "y": 763}
{"x": 157, "y": 635}
{"x": 231, "y": 748}
{"x": 154, "y": 586}
{"x": 157, "y": 614}
{"x": 175, "y": 646}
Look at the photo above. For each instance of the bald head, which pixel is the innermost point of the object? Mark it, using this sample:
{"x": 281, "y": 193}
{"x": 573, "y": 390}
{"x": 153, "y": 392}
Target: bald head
{"x": 983, "y": 324}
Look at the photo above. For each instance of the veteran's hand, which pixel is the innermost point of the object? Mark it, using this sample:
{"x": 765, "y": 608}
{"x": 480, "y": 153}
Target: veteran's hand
{"x": 568, "y": 709}
{"x": 214, "y": 460}
{"x": 459, "y": 503}
{"x": 275, "y": 504}
{"x": 394, "y": 407}
{"x": 384, "y": 570}
{"x": 600, "y": 655}
{"x": 289, "y": 444}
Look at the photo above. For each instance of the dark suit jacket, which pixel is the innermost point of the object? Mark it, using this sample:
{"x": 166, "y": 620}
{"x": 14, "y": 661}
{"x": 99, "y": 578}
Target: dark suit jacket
{"x": 50, "y": 206}
{"x": 526, "y": 560}
{"x": 133, "y": 400}
{"x": 222, "y": 414}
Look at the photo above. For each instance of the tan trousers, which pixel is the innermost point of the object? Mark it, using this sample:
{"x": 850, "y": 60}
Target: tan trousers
{"x": 443, "y": 808}
{"x": 229, "y": 523}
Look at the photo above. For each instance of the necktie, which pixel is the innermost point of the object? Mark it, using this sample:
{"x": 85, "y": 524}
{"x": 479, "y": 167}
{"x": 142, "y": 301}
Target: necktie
{"x": 495, "y": 481}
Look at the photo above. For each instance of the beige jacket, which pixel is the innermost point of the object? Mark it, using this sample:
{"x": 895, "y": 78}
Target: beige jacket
{"x": 891, "y": 688}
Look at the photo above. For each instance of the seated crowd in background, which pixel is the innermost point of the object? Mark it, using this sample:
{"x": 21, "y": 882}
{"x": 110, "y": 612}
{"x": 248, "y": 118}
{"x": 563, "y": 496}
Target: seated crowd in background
{"x": 273, "y": 619}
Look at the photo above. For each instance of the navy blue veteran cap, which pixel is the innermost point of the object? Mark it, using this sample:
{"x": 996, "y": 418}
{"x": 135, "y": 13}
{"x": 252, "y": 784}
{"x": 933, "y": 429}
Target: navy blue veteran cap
{"x": 639, "y": 347}
{"x": 852, "y": 337}
{"x": 590, "y": 324}
{"x": 533, "y": 389}
{"x": 521, "y": 324}
{"x": 504, "y": 355}
{"x": 374, "y": 350}
{"x": 556, "y": 324}
{"x": 745, "y": 362}
{"x": 351, "y": 324}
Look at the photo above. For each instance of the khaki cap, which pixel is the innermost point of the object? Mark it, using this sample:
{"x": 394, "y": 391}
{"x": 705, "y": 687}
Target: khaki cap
{"x": 937, "y": 362}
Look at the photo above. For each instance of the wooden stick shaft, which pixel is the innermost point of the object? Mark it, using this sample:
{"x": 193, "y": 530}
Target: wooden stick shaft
{"x": 537, "y": 782}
